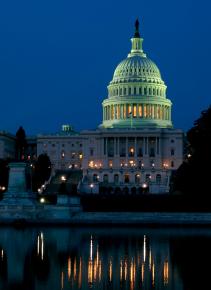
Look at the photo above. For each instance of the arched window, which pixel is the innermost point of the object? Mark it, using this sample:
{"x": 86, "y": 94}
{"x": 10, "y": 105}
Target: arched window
{"x": 145, "y": 91}
{"x": 124, "y": 91}
{"x": 105, "y": 178}
{"x": 172, "y": 163}
{"x": 95, "y": 177}
{"x": 172, "y": 152}
{"x": 134, "y": 91}
{"x": 148, "y": 177}
{"x": 129, "y": 91}
{"x": 120, "y": 92}
{"x": 116, "y": 178}
{"x": 126, "y": 178}
{"x": 137, "y": 178}
{"x": 158, "y": 179}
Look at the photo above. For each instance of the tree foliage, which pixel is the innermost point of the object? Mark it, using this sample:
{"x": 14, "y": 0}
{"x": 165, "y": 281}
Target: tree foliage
{"x": 4, "y": 172}
{"x": 41, "y": 171}
{"x": 193, "y": 176}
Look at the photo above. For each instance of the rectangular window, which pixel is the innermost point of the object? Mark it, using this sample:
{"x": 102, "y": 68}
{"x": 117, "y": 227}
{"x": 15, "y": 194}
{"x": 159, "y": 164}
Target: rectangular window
{"x": 124, "y": 111}
{"x": 145, "y": 111}
{"x": 140, "y": 110}
{"x": 129, "y": 110}
{"x": 134, "y": 111}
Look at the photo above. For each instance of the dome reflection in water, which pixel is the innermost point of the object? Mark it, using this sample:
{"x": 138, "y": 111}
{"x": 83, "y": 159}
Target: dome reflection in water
{"x": 118, "y": 258}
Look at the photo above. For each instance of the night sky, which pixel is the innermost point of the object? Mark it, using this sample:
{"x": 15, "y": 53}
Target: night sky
{"x": 57, "y": 58}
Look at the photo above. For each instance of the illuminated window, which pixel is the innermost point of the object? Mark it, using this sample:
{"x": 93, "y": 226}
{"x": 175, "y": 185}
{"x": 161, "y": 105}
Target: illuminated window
{"x": 140, "y": 110}
{"x": 118, "y": 111}
{"x": 131, "y": 162}
{"x": 134, "y": 111}
{"x": 131, "y": 151}
{"x": 124, "y": 112}
{"x": 129, "y": 110}
{"x": 91, "y": 163}
{"x": 145, "y": 111}
{"x": 62, "y": 154}
{"x": 110, "y": 163}
{"x": 80, "y": 155}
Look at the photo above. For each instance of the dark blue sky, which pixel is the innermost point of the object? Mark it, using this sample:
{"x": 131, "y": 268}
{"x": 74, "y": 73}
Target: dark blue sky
{"x": 57, "y": 58}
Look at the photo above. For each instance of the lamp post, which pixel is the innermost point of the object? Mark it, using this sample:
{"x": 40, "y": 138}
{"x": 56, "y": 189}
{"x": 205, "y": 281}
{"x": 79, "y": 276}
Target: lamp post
{"x": 31, "y": 167}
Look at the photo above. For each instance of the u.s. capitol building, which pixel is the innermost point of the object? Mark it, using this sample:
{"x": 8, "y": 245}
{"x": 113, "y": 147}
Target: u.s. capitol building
{"x": 136, "y": 144}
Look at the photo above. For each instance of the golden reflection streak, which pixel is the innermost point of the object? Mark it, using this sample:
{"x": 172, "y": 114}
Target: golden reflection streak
{"x": 110, "y": 271}
{"x": 132, "y": 275}
{"x": 2, "y": 254}
{"x": 95, "y": 270}
{"x": 69, "y": 268}
{"x": 80, "y": 274}
{"x": 121, "y": 270}
{"x": 74, "y": 269}
{"x": 142, "y": 272}
{"x": 153, "y": 274}
{"x": 125, "y": 270}
{"x": 90, "y": 272}
{"x": 150, "y": 259}
{"x": 97, "y": 256}
{"x": 62, "y": 280}
{"x": 166, "y": 272}
{"x": 100, "y": 271}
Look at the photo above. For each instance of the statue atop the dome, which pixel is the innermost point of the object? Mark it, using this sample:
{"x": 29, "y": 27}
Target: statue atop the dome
{"x": 137, "y": 35}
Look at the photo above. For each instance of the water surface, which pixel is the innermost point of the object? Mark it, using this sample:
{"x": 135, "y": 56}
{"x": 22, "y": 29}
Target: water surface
{"x": 107, "y": 258}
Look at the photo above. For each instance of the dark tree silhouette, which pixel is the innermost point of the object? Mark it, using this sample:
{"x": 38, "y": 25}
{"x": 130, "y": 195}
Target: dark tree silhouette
{"x": 4, "y": 173}
{"x": 20, "y": 143}
{"x": 193, "y": 176}
{"x": 42, "y": 171}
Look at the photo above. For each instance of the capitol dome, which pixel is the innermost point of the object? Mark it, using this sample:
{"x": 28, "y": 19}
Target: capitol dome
{"x": 137, "y": 93}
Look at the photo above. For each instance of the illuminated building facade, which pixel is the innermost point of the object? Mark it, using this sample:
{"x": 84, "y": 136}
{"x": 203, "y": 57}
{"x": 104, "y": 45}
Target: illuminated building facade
{"x": 136, "y": 145}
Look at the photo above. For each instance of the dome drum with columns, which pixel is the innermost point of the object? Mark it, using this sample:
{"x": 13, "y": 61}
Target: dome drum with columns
{"x": 137, "y": 93}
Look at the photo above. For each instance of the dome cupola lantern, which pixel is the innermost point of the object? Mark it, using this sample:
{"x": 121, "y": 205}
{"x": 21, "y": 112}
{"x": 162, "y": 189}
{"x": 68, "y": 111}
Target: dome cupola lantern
{"x": 137, "y": 93}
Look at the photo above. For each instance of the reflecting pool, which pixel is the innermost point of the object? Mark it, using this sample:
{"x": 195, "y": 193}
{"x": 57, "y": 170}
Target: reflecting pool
{"x": 104, "y": 258}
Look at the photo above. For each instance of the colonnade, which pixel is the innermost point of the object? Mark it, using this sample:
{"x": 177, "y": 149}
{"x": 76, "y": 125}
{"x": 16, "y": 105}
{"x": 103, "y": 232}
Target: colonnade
{"x": 125, "y": 111}
{"x": 137, "y": 143}
{"x": 135, "y": 90}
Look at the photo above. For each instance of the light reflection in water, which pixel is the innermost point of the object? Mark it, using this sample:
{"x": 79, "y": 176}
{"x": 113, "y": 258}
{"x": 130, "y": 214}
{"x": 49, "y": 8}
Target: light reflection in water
{"x": 166, "y": 272}
{"x": 98, "y": 260}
